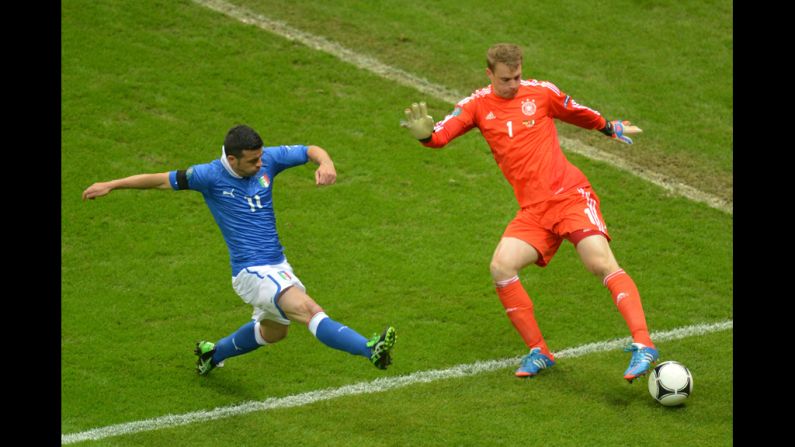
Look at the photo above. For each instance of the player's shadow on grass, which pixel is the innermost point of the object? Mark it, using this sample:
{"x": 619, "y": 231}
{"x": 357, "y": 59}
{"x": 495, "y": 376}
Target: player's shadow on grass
{"x": 234, "y": 383}
{"x": 600, "y": 386}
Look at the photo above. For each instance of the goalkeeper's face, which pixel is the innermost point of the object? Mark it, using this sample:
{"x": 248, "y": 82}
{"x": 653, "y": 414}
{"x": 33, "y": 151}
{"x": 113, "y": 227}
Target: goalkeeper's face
{"x": 505, "y": 80}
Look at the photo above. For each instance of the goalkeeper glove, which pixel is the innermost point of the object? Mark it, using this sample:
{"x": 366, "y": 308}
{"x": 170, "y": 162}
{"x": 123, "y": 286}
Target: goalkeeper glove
{"x": 615, "y": 129}
{"x": 418, "y": 122}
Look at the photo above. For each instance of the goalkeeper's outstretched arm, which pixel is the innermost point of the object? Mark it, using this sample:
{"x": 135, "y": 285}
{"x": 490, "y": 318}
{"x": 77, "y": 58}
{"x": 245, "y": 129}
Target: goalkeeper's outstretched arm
{"x": 418, "y": 122}
{"x": 618, "y": 130}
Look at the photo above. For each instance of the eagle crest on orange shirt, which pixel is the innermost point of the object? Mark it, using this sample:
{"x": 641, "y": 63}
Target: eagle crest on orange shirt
{"x": 529, "y": 107}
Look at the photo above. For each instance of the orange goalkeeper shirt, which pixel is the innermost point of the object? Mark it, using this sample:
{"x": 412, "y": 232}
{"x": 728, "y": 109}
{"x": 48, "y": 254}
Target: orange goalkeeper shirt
{"x": 522, "y": 136}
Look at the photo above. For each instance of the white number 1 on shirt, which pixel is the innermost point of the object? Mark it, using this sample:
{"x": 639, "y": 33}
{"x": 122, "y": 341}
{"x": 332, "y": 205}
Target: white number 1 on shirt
{"x": 510, "y": 128}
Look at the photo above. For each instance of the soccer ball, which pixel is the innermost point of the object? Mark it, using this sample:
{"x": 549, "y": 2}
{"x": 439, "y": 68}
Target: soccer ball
{"x": 670, "y": 383}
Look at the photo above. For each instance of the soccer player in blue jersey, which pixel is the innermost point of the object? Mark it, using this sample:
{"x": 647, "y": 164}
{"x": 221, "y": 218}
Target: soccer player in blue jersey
{"x": 238, "y": 190}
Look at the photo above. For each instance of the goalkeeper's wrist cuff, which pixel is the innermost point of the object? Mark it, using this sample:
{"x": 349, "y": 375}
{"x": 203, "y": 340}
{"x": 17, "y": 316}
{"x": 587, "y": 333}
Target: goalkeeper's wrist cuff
{"x": 608, "y": 129}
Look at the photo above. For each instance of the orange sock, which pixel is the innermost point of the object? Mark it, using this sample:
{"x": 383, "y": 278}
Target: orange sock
{"x": 627, "y": 300}
{"x": 520, "y": 311}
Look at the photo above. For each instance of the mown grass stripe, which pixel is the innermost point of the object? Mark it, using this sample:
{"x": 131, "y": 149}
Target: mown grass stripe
{"x": 445, "y": 94}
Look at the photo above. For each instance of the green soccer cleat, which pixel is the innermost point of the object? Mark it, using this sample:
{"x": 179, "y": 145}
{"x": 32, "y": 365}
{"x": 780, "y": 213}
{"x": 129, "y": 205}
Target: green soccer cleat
{"x": 204, "y": 350}
{"x": 380, "y": 345}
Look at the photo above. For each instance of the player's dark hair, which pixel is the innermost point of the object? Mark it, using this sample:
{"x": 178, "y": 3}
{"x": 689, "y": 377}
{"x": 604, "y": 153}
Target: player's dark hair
{"x": 240, "y": 138}
{"x": 506, "y": 53}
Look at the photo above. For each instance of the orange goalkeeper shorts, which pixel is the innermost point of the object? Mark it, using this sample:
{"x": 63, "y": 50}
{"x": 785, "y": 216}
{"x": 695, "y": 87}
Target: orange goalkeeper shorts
{"x": 572, "y": 215}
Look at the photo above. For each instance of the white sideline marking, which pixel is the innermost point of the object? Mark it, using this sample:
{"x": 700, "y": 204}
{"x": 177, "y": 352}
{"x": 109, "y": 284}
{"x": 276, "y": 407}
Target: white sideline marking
{"x": 373, "y": 386}
{"x": 443, "y": 93}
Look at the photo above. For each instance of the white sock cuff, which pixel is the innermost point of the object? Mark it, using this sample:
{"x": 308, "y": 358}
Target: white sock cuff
{"x": 506, "y": 282}
{"x": 315, "y": 322}
{"x": 612, "y": 275}
{"x": 258, "y": 335}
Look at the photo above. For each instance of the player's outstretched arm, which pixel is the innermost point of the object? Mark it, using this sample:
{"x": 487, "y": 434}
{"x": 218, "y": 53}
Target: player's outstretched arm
{"x": 325, "y": 174}
{"x": 418, "y": 122}
{"x": 618, "y": 129}
{"x": 140, "y": 181}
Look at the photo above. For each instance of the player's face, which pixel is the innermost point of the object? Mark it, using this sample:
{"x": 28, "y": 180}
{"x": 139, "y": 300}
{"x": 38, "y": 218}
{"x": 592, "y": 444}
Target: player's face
{"x": 504, "y": 80}
{"x": 248, "y": 164}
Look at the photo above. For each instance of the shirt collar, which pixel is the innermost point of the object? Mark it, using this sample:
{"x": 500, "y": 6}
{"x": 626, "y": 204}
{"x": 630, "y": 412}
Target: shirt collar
{"x": 225, "y": 162}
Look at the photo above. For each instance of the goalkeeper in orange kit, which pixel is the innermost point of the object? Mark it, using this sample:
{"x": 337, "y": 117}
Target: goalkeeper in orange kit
{"x": 555, "y": 198}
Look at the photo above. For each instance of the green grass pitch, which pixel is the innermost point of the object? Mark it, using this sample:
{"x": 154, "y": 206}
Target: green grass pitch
{"x": 406, "y": 234}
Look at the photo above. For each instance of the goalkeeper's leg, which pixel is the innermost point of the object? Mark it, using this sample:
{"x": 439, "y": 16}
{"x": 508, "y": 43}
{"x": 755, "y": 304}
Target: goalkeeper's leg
{"x": 595, "y": 253}
{"x": 509, "y": 257}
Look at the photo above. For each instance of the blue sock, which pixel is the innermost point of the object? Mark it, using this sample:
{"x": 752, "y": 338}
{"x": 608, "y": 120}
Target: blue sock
{"x": 239, "y": 342}
{"x": 338, "y": 336}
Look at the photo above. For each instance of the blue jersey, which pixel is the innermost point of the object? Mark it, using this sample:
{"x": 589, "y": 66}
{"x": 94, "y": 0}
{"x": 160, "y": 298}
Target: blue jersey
{"x": 243, "y": 206}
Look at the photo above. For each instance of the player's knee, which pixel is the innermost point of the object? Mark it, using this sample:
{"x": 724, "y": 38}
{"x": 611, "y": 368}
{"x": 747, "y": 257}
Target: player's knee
{"x": 274, "y": 337}
{"x": 311, "y": 307}
{"x": 272, "y": 334}
{"x": 501, "y": 270}
{"x": 601, "y": 266}
{"x": 307, "y": 309}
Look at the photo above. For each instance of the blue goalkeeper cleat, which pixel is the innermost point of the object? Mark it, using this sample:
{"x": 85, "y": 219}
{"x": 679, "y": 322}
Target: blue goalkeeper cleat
{"x": 534, "y": 362}
{"x": 204, "y": 350}
{"x": 380, "y": 347}
{"x": 642, "y": 360}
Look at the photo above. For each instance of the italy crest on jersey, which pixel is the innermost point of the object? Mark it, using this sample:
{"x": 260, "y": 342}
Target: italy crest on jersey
{"x": 264, "y": 181}
{"x": 529, "y": 107}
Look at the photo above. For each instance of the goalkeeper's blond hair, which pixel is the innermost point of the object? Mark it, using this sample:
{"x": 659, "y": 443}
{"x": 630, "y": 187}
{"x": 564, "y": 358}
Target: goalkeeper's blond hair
{"x": 505, "y": 53}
